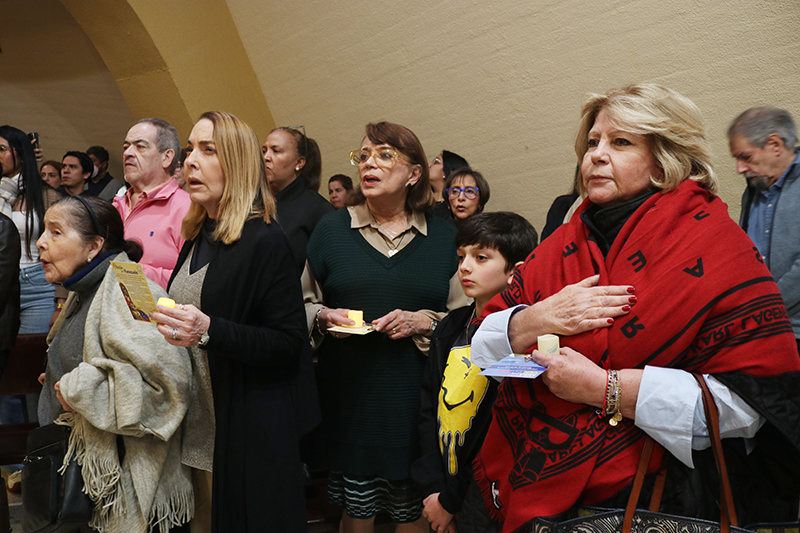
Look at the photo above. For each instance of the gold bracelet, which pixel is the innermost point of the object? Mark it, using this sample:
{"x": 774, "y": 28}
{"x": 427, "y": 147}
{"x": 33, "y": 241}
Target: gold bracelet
{"x": 59, "y": 306}
{"x": 613, "y": 397}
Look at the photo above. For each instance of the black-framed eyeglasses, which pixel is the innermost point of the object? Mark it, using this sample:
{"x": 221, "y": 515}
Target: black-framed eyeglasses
{"x": 469, "y": 192}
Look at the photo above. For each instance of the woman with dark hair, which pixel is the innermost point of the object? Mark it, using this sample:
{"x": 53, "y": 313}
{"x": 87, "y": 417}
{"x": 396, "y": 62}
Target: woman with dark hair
{"x": 294, "y": 164}
{"x": 440, "y": 168}
{"x": 242, "y": 315}
{"x": 121, "y": 387}
{"x": 50, "y": 171}
{"x": 340, "y": 188}
{"x": 384, "y": 256}
{"x": 466, "y": 192}
{"x": 26, "y": 207}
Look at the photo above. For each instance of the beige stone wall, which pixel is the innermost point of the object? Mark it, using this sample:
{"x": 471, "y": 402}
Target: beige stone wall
{"x": 52, "y": 80}
{"x": 502, "y": 82}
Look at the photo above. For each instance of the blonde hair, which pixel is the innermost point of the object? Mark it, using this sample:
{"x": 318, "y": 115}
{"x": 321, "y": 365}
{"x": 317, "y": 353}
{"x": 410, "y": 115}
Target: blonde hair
{"x": 246, "y": 193}
{"x": 673, "y": 126}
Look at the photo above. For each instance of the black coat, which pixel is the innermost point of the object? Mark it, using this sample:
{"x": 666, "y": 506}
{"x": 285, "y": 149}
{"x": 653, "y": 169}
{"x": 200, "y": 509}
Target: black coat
{"x": 10, "y": 251}
{"x": 264, "y": 393}
{"x": 299, "y": 211}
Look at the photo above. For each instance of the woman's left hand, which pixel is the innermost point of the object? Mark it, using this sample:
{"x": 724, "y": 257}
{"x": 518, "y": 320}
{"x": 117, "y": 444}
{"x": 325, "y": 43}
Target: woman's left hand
{"x": 400, "y": 324}
{"x": 573, "y": 377}
{"x": 183, "y": 325}
{"x": 66, "y": 407}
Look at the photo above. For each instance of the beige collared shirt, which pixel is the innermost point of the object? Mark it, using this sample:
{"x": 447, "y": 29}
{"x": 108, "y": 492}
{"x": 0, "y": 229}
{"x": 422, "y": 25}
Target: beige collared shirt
{"x": 361, "y": 219}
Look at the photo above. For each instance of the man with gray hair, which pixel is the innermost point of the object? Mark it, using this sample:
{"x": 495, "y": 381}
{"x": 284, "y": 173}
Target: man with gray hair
{"x": 154, "y": 206}
{"x": 762, "y": 140}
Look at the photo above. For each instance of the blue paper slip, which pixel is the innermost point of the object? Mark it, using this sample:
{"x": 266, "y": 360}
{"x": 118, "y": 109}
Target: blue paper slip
{"x": 514, "y": 367}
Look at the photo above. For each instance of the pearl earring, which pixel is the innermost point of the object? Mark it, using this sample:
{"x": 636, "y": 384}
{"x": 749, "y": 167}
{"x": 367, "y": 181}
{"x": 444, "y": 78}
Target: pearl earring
{"x": 297, "y": 169}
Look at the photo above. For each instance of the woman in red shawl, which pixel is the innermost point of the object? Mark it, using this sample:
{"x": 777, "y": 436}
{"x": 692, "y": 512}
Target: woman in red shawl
{"x": 704, "y": 302}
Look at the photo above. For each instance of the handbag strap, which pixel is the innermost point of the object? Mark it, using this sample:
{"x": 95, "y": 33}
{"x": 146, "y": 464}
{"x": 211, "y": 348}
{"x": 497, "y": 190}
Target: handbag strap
{"x": 638, "y": 481}
{"x": 658, "y": 486}
{"x": 727, "y": 511}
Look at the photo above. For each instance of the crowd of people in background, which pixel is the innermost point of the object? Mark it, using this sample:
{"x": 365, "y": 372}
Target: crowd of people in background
{"x": 402, "y": 288}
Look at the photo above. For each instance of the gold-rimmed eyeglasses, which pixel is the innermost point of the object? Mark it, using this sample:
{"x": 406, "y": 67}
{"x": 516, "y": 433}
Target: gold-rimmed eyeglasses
{"x": 383, "y": 157}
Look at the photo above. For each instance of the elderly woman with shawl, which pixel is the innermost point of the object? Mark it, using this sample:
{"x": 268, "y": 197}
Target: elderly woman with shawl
{"x": 123, "y": 389}
{"x": 699, "y": 300}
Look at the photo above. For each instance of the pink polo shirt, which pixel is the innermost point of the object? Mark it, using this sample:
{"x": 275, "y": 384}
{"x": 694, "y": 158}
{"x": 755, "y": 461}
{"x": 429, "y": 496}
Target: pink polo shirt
{"x": 156, "y": 223}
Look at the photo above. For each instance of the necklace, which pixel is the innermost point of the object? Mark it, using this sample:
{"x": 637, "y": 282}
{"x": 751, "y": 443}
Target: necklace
{"x": 393, "y": 248}
{"x": 469, "y": 323}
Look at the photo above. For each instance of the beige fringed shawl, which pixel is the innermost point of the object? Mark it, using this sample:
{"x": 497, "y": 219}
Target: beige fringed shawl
{"x": 132, "y": 384}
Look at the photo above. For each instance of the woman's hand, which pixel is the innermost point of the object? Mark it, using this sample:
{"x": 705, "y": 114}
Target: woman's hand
{"x": 399, "y": 324}
{"x": 441, "y": 521}
{"x": 574, "y": 309}
{"x": 183, "y": 325}
{"x": 329, "y": 318}
{"x": 61, "y": 398}
{"x": 41, "y": 378}
{"x": 584, "y": 306}
{"x": 573, "y": 377}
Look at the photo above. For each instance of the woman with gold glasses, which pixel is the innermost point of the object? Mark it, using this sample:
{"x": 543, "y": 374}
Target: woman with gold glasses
{"x": 386, "y": 257}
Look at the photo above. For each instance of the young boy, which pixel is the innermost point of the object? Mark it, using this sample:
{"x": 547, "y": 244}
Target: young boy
{"x": 456, "y": 406}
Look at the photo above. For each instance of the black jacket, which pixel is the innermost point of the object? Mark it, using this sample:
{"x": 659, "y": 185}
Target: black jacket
{"x": 10, "y": 250}
{"x": 264, "y": 392}
{"x": 299, "y": 211}
{"x": 430, "y": 470}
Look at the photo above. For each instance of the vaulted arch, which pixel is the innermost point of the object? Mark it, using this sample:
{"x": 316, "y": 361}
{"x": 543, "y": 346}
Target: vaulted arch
{"x": 174, "y": 60}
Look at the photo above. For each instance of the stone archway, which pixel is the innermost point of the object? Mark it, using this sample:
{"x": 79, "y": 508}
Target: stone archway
{"x": 174, "y": 60}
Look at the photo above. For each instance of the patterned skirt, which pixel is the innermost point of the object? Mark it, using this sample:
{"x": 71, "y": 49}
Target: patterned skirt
{"x": 364, "y": 497}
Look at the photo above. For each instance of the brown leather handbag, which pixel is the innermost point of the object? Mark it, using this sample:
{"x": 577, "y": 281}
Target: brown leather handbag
{"x": 633, "y": 520}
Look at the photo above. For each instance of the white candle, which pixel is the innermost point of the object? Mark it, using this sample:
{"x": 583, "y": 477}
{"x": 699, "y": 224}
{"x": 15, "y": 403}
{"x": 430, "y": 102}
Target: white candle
{"x": 548, "y": 343}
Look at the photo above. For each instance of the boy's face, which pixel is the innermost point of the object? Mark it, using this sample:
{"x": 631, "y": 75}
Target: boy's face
{"x": 482, "y": 272}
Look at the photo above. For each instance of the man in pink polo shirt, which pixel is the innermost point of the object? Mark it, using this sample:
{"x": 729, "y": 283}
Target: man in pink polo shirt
{"x": 154, "y": 206}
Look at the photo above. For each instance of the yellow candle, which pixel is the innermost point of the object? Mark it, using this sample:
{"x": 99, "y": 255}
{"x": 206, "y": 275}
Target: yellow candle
{"x": 166, "y": 302}
{"x": 358, "y": 317}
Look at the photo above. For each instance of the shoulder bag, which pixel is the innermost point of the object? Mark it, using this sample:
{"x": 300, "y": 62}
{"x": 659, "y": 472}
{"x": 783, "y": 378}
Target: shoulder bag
{"x": 52, "y": 502}
{"x": 632, "y": 520}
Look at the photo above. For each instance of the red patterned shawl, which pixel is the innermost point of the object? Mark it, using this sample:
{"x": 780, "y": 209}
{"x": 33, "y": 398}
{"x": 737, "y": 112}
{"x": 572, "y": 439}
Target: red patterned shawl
{"x": 706, "y": 302}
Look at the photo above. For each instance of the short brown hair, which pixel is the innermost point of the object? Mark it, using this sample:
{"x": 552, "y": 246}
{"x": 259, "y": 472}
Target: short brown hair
{"x": 480, "y": 181}
{"x": 673, "y": 126}
{"x": 420, "y": 197}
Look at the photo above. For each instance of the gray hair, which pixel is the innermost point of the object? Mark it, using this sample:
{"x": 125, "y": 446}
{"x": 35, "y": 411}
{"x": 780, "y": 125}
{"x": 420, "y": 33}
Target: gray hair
{"x": 758, "y": 123}
{"x": 166, "y": 139}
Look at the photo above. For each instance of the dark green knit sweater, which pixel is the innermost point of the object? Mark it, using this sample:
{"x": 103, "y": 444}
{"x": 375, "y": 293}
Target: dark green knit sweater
{"x": 370, "y": 384}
